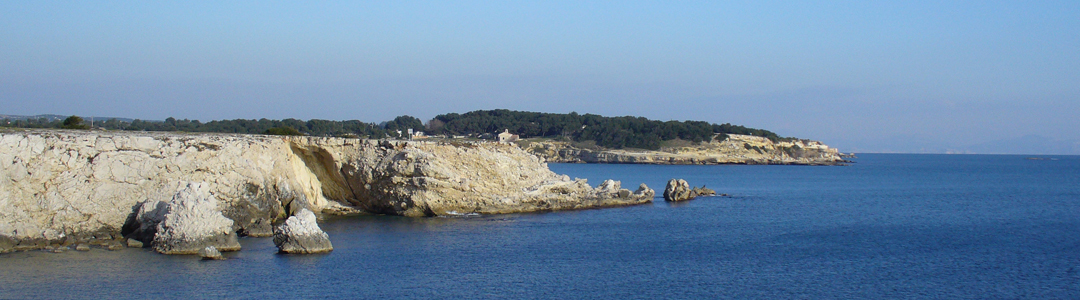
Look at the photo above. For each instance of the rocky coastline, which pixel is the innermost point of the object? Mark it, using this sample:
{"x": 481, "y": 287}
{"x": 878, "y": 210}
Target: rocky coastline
{"x": 182, "y": 192}
{"x": 736, "y": 149}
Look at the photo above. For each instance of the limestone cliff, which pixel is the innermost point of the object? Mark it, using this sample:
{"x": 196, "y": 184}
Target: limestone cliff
{"x": 736, "y": 149}
{"x": 61, "y": 187}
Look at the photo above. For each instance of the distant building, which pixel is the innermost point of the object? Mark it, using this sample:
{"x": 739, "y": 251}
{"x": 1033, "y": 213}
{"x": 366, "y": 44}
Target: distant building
{"x": 507, "y": 137}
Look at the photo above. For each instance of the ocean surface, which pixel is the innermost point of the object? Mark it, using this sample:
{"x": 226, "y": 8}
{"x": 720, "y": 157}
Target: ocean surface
{"x": 887, "y": 226}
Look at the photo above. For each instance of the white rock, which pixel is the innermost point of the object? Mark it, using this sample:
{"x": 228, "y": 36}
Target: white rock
{"x": 55, "y": 184}
{"x": 192, "y": 221}
{"x": 301, "y": 234}
{"x": 210, "y": 253}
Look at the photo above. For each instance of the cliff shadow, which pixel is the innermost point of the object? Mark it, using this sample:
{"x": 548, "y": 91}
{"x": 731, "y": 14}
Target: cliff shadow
{"x": 331, "y": 177}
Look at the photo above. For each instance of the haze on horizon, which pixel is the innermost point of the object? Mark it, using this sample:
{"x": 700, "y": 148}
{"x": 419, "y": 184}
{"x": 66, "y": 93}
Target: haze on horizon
{"x": 863, "y": 76}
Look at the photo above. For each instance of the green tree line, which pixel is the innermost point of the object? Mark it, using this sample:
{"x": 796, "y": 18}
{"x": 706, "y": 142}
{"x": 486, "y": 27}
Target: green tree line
{"x": 610, "y": 132}
{"x": 262, "y": 126}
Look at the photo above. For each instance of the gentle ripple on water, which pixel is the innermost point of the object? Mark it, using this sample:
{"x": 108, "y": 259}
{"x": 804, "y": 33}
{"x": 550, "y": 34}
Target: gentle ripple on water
{"x": 889, "y": 226}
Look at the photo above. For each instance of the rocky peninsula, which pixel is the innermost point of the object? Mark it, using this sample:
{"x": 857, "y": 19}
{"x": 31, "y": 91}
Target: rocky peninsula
{"x": 68, "y": 187}
{"x": 735, "y": 149}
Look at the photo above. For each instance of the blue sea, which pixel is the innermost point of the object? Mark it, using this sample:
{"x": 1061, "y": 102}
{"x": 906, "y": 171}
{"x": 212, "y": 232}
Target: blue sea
{"x": 887, "y": 226}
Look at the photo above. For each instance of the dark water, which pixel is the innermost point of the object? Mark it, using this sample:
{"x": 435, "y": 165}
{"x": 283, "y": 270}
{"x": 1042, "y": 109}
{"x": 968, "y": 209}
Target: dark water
{"x": 889, "y": 226}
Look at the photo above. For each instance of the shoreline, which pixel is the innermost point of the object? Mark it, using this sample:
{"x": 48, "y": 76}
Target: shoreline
{"x": 735, "y": 150}
{"x": 83, "y": 187}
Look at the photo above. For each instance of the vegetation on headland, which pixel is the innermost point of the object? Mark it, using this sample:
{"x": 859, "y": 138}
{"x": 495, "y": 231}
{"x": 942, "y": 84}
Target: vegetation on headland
{"x": 283, "y": 131}
{"x": 609, "y": 132}
{"x": 74, "y": 122}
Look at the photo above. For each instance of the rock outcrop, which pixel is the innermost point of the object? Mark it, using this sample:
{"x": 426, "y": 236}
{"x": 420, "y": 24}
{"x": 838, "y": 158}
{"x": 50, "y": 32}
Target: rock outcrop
{"x": 679, "y": 190}
{"x": 735, "y": 149}
{"x": 430, "y": 179}
{"x": 210, "y": 253}
{"x": 300, "y": 234}
{"x": 7, "y": 244}
{"x": 185, "y": 224}
{"x": 59, "y": 187}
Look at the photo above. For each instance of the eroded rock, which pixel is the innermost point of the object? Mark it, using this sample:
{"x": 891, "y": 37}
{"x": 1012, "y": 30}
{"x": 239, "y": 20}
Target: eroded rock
{"x": 431, "y": 179}
{"x": 210, "y": 253}
{"x": 188, "y": 222}
{"x": 300, "y": 234}
{"x": 734, "y": 149}
{"x": 679, "y": 190}
{"x": 7, "y": 244}
{"x": 72, "y": 186}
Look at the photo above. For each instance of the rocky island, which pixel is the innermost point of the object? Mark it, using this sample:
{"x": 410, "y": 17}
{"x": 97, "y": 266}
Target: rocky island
{"x": 182, "y": 192}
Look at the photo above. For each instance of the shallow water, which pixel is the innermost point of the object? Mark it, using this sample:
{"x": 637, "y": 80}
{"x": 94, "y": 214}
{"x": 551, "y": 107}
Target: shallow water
{"x": 892, "y": 226}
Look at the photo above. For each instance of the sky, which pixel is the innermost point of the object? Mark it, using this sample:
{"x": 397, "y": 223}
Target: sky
{"x": 862, "y": 76}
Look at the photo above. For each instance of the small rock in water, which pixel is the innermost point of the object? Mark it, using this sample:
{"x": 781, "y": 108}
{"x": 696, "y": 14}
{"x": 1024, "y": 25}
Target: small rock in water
{"x": 301, "y": 235}
{"x": 133, "y": 243}
{"x": 679, "y": 190}
{"x": 210, "y": 253}
{"x": 115, "y": 245}
{"x": 82, "y": 247}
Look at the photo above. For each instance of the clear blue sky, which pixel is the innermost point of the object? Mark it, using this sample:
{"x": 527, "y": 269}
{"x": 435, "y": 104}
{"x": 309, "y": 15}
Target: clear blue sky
{"x": 913, "y": 76}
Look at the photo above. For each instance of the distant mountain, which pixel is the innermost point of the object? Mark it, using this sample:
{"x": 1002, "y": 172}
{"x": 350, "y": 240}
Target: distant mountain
{"x": 60, "y": 117}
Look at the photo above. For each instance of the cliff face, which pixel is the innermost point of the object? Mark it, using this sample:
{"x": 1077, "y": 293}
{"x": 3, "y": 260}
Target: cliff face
{"x": 60, "y": 187}
{"x": 736, "y": 149}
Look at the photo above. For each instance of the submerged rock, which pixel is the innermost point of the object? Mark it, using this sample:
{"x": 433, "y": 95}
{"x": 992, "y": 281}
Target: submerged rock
{"x": 301, "y": 235}
{"x": 679, "y": 190}
{"x": 210, "y": 253}
{"x": 188, "y": 222}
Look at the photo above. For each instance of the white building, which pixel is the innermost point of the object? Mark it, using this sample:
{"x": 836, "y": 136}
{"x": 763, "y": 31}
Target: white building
{"x": 507, "y": 137}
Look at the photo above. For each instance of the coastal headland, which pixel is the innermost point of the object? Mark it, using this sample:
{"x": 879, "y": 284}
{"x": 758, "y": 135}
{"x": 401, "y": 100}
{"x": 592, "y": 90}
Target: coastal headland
{"x": 735, "y": 149}
{"x": 68, "y": 187}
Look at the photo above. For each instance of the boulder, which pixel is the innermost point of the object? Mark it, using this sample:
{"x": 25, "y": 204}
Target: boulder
{"x": 133, "y": 243}
{"x": 187, "y": 223}
{"x": 679, "y": 190}
{"x": 114, "y": 245}
{"x": 300, "y": 234}
{"x": 82, "y": 247}
{"x": 704, "y": 191}
{"x": 210, "y": 253}
{"x": 644, "y": 191}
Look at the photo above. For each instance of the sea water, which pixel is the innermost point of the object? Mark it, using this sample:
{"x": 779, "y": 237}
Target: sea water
{"x": 887, "y": 226}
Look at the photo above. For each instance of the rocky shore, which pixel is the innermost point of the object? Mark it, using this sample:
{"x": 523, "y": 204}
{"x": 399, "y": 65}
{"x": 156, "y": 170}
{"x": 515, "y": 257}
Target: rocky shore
{"x": 736, "y": 149}
{"x": 179, "y": 192}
